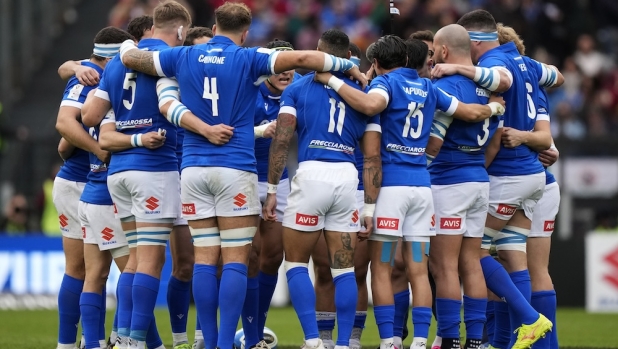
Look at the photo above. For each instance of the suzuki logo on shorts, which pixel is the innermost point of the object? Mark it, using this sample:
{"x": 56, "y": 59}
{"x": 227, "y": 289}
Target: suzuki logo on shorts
{"x": 506, "y": 210}
{"x": 304, "y": 219}
{"x": 355, "y": 216}
{"x": 64, "y": 221}
{"x": 548, "y": 226}
{"x": 115, "y": 209}
{"x": 450, "y": 223}
{"x": 106, "y": 234}
{"x": 240, "y": 200}
{"x": 612, "y": 259}
{"x": 152, "y": 204}
{"x": 83, "y": 232}
{"x": 188, "y": 208}
{"x": 433, "y": 220}
{"x": 388, "y": 223}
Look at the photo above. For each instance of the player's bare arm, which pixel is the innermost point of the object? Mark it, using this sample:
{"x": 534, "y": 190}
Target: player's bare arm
{"x": 479, "y": 112}
{"x": 538, "y": 140}
{"x": 493, "y": 147}
{"x": 550, "y": 156}
{"x": 94, "y": 109}
{"x": 372, "y": 178}
{"x": 286, "y": 125}
{"x": 368, "y": 104}
{"x": 69, "y": 127}
{"x": 132, "y": 57}
{"x": 317, "y": 61}
{"x": 65, "y": 149}
{"x": 495, "y": 79}
{"x": 114, "y": 141}
{"x": 85, "y": 75}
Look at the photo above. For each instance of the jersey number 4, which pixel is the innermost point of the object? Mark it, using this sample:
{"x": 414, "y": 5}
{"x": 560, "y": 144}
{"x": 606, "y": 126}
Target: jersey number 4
{"x": 210, "y": 92}
{"x": 340, "y": 119}
{"x": 414, "y": 111}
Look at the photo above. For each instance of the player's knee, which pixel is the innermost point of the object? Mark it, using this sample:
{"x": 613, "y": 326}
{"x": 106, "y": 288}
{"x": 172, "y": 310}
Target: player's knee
{"x": 323, "y": 275}
{"x": 183, "y": 271}
{"x": 271, "y": 261}
{"x": 76, "y": 269}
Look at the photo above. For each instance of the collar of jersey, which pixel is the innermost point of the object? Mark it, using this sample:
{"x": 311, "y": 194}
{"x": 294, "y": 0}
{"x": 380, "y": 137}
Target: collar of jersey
{"x": 92, "y": 65}
{"x": 266, "y": 92}
{"x": 220, "y": 39}
{"x": 411, "y": 73}
{"x": 508, "y": 47}
{"x": 144, "y": 43}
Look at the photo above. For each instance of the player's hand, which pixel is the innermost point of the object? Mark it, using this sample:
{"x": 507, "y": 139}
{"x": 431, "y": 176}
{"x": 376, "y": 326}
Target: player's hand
{"x": 366, "y": 228}
{"x": 371, "y": 73}
{"x": 549, "y": 157}
{"x": 322, "y": 77}
{"x": 269, "y": 211}
{"x": 356, "y": 74}
{"x": 512, "y": 138}
{"x": 443, "y": 69}
{"x": 153, "y": 140}
{"x": 219, "y": 134}
{"x": 270, "y": 130}
{"x": 87, "y": 76}
{"x": 103, "y": 155}
{"x": 496, "y": 98}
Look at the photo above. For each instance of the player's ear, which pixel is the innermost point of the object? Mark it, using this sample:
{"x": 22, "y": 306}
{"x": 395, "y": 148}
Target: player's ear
{"x": 348, "y": 55}
{"x": 214, "y": 29}
{"x": 243, "y": 37}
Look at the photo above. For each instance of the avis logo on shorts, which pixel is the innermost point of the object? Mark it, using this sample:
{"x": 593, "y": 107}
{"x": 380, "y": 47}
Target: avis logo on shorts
{"x": 307, "y": 220}
{"x": 450, "y": 223}
{"x": 506, "y": 210}
{"x": 388, "y": 223}
{"x": 240, "y": 201}
{"x": 188, "y": 209}
{"x": 548, "y": 226}
{"x": 152, "y": 204}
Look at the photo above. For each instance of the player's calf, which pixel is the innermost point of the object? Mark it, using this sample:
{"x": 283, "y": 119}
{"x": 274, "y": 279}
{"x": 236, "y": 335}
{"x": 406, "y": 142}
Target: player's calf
{"x": 179, "y": 285}
{"x": 415, "y": 256}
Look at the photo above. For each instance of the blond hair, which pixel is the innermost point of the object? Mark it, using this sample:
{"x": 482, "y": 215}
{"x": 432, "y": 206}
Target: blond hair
{"x": 233, "y": 17}
{"x": 507, "y": 34}
{"x": 171, "y": 14}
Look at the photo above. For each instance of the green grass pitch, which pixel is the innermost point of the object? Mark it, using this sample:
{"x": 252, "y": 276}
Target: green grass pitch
{"x": 37, "y": 329}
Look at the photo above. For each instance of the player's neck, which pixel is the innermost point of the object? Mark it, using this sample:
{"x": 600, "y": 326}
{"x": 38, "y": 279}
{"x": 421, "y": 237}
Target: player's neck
{"x": 169, "y": 39}
{"x": 488, "y": 45}
{"x": 100, "y": 64}
{"x": 460, "y": 60}
{"x": 272, "y": 89}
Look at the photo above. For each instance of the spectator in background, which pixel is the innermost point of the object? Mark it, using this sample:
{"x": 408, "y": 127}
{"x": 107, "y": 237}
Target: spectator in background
{"x": 588, "y": 59}
{"x": 49, "y": 216}
{"x": 15, "y": 219}
{"x": 569, "y": 125}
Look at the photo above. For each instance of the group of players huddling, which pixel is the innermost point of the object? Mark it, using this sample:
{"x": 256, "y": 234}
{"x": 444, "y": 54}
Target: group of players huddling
{"x": 416, "y": 168}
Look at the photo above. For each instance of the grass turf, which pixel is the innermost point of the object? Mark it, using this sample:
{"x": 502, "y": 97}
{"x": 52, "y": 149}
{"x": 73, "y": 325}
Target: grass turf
{"x": 36, "y": 329}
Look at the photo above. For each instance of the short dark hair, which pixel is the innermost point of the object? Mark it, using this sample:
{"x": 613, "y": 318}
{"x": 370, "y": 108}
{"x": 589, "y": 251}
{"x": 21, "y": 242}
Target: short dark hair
{"x": 139, "y": 25}
{"x": 480, "y": 20}
{"x": 110, "y": 35}
{"x": 391, "y": 52}
{"x": 370, "y": 52}
{"x": 335, "y": 42}
{"x": 196, "y": 33}
{"x": 423, "y": 35}
{"x": 169, "y": 14}
{"x": 355, "y": 50}
{"x": 417, "y": 53}
{"x": 280, "y": 45}
{"x": 233, "y": 17}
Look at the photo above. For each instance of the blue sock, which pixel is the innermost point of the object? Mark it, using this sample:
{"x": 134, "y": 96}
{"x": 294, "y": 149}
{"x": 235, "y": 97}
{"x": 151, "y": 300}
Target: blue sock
{"x": 125, "y": 303}
{"x": 499, "y": 282}
{"x": 303, "y": 300}
{"x": 206, "y": 296}
{"x": 178, "y": 298}
{"x": 490, "y": 325}
{"x": 115, "y": 323}
{"x": 402, "y": 305}
{"x": 521, "y": 279}
{"x": 502, "y": 330}
{"x": 68, "y": 308}
{"x": 359, "y": 319}
{"x": 474, "y": 316}
{"x": 346, "y": 297}
{"x": 250, "y": 313}
{"x": 421, "y": 319}
{"x": 145, "y": 291}
{"x": 153, "y": 340}
{"x": 448, "y": 311}
{"x": 102, "y": 314}
{"x": 385, "y": 316}
{"x": 268, "y": 283}
{"x": 231, "y": 296}
{"x": 90, "y": 306}
{"x": 545, "y": 303}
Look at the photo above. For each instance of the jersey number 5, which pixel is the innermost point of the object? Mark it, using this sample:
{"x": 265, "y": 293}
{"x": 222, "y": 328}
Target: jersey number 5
{"x": 340, "y": 119}
{"x": 129, "y": 84}
{"x": 210, "y": 92}
{"x": 414, "y": 112}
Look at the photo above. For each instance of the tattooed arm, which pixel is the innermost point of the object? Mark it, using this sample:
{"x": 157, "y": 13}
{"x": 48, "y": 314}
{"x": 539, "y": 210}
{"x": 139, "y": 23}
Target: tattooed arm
{"x": 286, "y": 125}
{"x": 142, "y": 61}
{"x": 372, "y": 166}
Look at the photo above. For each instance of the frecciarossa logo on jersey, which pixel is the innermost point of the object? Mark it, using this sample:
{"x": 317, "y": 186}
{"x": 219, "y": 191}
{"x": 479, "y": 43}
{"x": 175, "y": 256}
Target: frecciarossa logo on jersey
{"x": 405, "y": 149}
{"x": 137, "y": 123}
{"x": 315, "y": 143}
{"x": 98, "y": 168}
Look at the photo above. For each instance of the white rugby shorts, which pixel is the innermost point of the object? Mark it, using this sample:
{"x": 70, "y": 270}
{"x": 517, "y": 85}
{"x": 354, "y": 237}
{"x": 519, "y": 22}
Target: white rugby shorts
{"x": 283, "y": 190}
{"x": 65, "y": 195}
{"x": 461, "y": 209}
{"x": 218, "y": 192}
{"x": 100, "y": 226}
{"x": 360, "y": 200}
{"x": 508, "y": 194}
{"x": 323, "y": 196}
{"x": 180, "y": 220}
{"x": 145, "y": 195}
{"x": 545, "y": 212}
{"x": 405, "y": 212}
